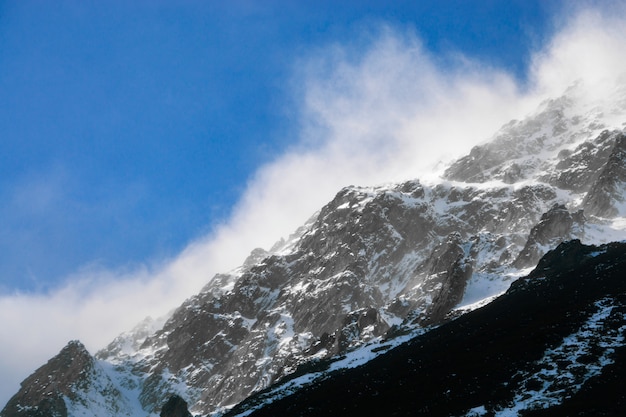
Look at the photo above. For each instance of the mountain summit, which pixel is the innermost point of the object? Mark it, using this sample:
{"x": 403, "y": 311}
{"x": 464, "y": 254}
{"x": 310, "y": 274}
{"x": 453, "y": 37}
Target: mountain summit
{"x": 376, "y": 263}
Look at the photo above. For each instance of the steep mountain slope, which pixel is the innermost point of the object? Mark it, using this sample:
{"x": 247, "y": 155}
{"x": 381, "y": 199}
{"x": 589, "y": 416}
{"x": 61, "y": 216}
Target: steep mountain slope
{"x": 374, "y": 261}
{"x": 554, "y": 344}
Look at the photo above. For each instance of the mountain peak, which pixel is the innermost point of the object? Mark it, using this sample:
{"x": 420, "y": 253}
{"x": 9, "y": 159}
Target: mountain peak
{"x": 374, "y": 263}
{"x": 46, "y": 387}
{"x": 525, "y": 149}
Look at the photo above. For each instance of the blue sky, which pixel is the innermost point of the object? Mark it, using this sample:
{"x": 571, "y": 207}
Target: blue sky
{"x": 131, "y": 128}
{"x": 147, "y": 145}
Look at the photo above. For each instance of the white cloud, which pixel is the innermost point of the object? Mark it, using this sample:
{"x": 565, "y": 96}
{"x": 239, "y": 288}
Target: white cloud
{"x": 586, "y": 48}
{"x": 384, "y": 113}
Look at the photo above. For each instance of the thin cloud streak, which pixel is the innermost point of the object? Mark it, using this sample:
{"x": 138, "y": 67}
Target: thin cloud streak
{"x": 389, "y": 112}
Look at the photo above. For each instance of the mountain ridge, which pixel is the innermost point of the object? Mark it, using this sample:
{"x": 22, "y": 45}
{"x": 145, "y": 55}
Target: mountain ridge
{"x": 373, "y": 262}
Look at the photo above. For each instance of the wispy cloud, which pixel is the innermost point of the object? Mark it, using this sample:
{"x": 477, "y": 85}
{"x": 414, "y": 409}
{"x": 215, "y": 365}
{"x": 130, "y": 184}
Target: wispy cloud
{"x": 585, "y": 48}
{"x": 383, "y": 112}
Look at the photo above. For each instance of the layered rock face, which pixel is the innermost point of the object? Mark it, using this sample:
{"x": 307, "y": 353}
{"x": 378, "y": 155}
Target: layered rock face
{"x": 372, "y": 262}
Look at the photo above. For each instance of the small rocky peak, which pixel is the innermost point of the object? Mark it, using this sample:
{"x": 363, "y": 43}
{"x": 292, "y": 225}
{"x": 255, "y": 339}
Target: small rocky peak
{"x": 42, "y": 392}
{"x": 71, "y": 365}
{"x": 345, "y": 198}
{"x": 74, "y": 354}
{"x": 591, "y": 262}
{"x": 175, "y": 407}
{"x": 553, "y": 223}
{"x": 256, "y": 256}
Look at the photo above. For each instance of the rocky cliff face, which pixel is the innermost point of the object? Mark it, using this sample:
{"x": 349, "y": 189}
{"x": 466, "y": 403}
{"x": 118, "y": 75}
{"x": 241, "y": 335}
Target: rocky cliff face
{"x": 606, "y": 195}
{"x": 555, "y": 226}
{"x": 374, "y": 261}
{"x": 552, "y": 345}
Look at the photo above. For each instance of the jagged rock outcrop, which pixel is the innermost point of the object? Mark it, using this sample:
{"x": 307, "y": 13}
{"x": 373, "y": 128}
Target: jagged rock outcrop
{"x": 498, "y": 158}
{"x": 610, "y": 185}
{"x": 359, "y": 326}
{"x": 556, "y": 225}
{"x": 453, "y": 269}
{"x": 577, "y": 169}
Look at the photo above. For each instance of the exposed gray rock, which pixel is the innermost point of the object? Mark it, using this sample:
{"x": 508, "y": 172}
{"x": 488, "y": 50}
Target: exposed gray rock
{"x": 498, "y": 159}
{"x": 610, "y": 185}
{"x": 577, "y": 170}
{"x": 450, "y": 269}
{"x": 359, "y": 326}
{"x": 556, "y": 226}
{"x": 256, "y": 256}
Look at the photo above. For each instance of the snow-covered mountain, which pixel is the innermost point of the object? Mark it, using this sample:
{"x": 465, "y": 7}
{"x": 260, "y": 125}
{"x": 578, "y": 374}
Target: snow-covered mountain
{"x": 553, "y": 345}
{"x": 375, "y": 262}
